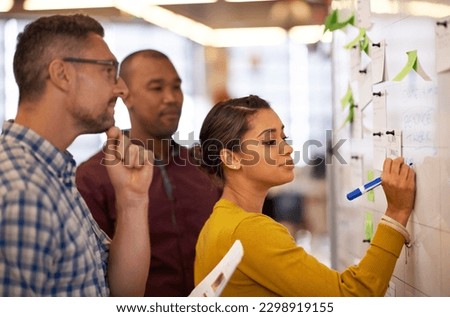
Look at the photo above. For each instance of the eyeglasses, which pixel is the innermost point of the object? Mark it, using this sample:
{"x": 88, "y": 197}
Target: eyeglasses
{"x": 112, "y": 63}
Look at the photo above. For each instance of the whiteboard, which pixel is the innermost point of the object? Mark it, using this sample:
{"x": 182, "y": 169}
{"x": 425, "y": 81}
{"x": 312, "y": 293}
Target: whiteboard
{"x": 420, "y": 110}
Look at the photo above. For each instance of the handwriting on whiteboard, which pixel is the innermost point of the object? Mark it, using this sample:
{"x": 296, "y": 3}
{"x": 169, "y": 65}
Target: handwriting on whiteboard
{"x": 419, "y": 126}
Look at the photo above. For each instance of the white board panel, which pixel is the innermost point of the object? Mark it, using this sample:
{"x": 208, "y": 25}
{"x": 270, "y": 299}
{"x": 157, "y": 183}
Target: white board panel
{"x": 420, "y": 109}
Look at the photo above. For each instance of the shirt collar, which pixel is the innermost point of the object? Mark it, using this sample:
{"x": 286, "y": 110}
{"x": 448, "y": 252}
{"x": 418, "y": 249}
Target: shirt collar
{"x": 59, "y": 163}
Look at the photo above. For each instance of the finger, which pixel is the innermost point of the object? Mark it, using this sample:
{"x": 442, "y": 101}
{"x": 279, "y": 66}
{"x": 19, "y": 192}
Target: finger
{"x": 397, "y": 165}
{"x": 148, "y": 157}
{"x": 387, "y": 165}
{"x": 404, "y": 171}
{"x": 131, "y": 158}
{"x": 113, "y": 133}
{"x": 411, "y": 173}
{"x": 122, "y": 142}
{"x": 112, "y": 156}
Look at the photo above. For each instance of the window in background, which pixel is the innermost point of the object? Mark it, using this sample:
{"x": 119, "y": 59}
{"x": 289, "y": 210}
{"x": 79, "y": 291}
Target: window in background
{"x": 295, "y": 79}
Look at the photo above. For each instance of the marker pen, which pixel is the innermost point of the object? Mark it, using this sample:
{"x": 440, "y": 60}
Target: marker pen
{"x": 364, "y": 188}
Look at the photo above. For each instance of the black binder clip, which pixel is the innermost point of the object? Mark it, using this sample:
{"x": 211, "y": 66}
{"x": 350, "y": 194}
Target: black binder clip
{"x": 391, "y": 132}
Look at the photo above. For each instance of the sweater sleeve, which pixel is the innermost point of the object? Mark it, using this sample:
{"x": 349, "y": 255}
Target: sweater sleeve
{"x": 273, "y": 260}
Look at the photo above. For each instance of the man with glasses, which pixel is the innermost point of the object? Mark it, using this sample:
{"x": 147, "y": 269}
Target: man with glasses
{"x": 112, "y": 66}
{"x": 49, "y": 243}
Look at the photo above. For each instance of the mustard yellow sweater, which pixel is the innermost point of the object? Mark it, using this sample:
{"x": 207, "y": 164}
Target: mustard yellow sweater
{"x": 273, "y": 265}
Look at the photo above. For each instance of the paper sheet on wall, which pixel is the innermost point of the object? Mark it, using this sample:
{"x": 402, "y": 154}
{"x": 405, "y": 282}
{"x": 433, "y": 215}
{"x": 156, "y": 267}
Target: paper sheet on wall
{"x": 394, "y": 144}
{"x": 363, "y": 14}
{"x": 357, "y": 123}
{"x": 355, "y": 63}
{"x": 379, "y": 151}
{"x": 379, "y": 111}
{"x": 365, "y": 87}
{"x": 377, "y": 54}
{"x": 214, "y": 283}
{"x": 442, "y": 29}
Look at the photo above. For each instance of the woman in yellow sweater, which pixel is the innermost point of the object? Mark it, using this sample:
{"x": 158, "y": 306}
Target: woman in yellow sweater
{"x": 243, "y": 145}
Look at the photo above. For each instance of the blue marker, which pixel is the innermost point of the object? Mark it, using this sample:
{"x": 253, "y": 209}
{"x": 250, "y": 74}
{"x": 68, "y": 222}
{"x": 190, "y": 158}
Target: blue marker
{"x": 364, "y": 189}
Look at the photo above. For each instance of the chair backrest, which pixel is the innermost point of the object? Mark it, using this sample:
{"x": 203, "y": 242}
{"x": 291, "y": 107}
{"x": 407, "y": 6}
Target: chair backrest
{"x": 214, "y": 283}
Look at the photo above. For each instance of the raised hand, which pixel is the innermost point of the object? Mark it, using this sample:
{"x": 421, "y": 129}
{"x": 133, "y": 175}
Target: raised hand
{"x": 130, "y": 167}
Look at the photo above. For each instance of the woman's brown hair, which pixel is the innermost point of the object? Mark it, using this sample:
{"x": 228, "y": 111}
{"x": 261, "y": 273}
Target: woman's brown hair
{"x": 223, "y": 128}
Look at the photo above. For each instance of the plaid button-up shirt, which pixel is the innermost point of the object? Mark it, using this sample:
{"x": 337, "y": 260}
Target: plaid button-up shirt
{"x": 49, "y": 243}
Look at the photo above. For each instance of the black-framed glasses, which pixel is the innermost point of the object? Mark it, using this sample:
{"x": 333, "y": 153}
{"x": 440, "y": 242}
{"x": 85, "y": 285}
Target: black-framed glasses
{"x": 112, "y": 63}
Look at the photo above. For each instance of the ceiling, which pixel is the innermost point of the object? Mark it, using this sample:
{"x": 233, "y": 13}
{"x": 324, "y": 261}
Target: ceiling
{"x": 284, "y": 13}
{"x": 222, "y": 14}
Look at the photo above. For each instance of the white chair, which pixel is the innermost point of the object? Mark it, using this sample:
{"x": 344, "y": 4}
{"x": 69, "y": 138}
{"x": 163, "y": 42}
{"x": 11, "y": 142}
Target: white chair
{"x": 214, "y": 283}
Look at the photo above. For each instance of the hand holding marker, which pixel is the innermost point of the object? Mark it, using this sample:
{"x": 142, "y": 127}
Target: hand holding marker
{"x": 365, "y": 188}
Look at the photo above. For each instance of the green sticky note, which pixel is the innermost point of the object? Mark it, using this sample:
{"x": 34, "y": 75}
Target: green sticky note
{"x": 357, "y": 40}
{"x": 350, "y": 117}
{"x": 411, "y": 64}
{"x": 370, "y": 194}
{"x": 368, "y": 227}
{"x": 365, "y": 44}
{"x": 348, "y": 98}
{"x": 332, "y": 21}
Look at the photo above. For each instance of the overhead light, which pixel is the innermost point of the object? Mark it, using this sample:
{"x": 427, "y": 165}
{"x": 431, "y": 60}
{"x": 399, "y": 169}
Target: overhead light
{"x": 164, "y": 18}
{"x": 384, "y": 7}
{"x": 172, "y": 2}
{"x": 199, "y": 32}
{"x": 309, "y": 34}
{"x": 66, "y": 4}
{"x": 422, "y": 8}
{"x": 6, "y": 5}
{"x": 248, "y": 0}
{"x": 179, "y": 24}
{"x": 77, "y": 4}
{"x": 416, "y": 8}
{"x": 248, "y": 37}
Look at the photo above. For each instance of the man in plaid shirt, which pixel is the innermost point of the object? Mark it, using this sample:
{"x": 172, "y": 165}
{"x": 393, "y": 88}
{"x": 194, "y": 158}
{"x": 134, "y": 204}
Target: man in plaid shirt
{"x": 49, "y": 243}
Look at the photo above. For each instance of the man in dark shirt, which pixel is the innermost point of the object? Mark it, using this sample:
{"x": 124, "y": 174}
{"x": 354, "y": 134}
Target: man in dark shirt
{"x": 181, "y": 196}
